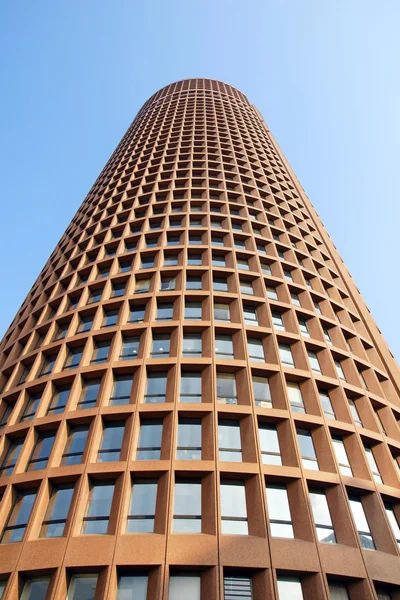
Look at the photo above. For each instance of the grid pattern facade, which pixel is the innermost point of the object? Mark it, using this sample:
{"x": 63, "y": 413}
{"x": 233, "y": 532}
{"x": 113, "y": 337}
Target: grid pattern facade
{"x": 195, "y": 401}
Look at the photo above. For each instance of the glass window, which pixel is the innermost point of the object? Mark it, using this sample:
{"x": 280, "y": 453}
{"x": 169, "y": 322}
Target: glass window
{"x": 277, "y": 321}
{"x": 121, "y": 391}
{"x": 184, "y": 585}
{"x": 35, "y": 588}
{"x": 85, "y": 323}
{"x": 393, "y": 521}
{"x": 189, "y": 439}
{"x": 338, "y": 591}
{"x": 147, "y": 262}
{"x": 149, "y": 446}
{"x": 250, "y": 315}
{"x": 95, "y": 295}
{"x": 47, "y": 367}
{"x": 161, "y": 344}
{"x": 229, "y": 440}
{"x": 289, "y": 588}
{"x": 361, "y": 523}
{"x": 340, "y": 371}
{"x": 322, "y": 517}
{"x": 192, "y": 344}
{"x": 195, "y": 240}
{"x": 74, "y": 357}
{"x": 288, "y": 275}
{"x": 272, "y": 293}
{"x": 110, "y": 318}
{"x": 286, "y": 355}
{"x": 156, "y": 387}
{"x": 327, "y": 405}
{"x": 372, "y": 463}
{"x": 221, "y": 312}
{"x": 243, "y": 264}
{"x": 354, "y": 412}
{"x": 193, "y": 311}
{"x": 237, "y": 587}
{"x": 295, "y": 299}
{"x": 75, "y": 445}
{"x": 246, "y": 287}
{"x": 217, "y": 240}
{"x": 167, "y": 284}
{"x": 19, "y": 516}
{"x": 317, "y": 308}
{"x": 118, "y": 289}
{"x": 327, "y": 336}
{"x": 256, "y": 349}
{"x": 194, "y": 259}
{"x": 233, "y": 507}
{"x": 132, "y": 586}
{"x": 170, "y": 260}
{"x": 314, "y": 362}
{"x": 295, "y": 397}
{"x": 11, "y": 456}
{"x": 111, "y": 442}
{"x": 98, "y": 508}
{"x": 307, "y": 450}
{"x": 303, "y": 327}
{"x": 130, "y": 348}
{"x": 218, "y": 260}
{"x": 41, "y": 452}
{"x": 223, "y": 346}
{"x": 191, "y": 387}
{"x": 165, "y": 311}
{"x": 101, "y": 350}
{"x": 82, "y": 587}
{"x": 137, "y": 314}
{"x": 142, "y": 286}
{"x": 143, "y": 506}
{"x": 220, "y": 284}
{"x": 341, "y": 456}
{"x": 193, "y": 282}
{"x": 59, "y": 400}
{"x": 226, "y": 388}
{"x": 89, "y": 394}
{"x": 266, "y": 269}
{"x": 187, "y": 506}
{"x": 269, "y": 443}
{"x": 279, "y": 511}
{"x": 57, "y": 511}
{"x": 262, "y": 392}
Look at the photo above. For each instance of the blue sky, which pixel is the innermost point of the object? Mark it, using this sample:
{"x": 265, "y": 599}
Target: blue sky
{"x": 324, "y": 74}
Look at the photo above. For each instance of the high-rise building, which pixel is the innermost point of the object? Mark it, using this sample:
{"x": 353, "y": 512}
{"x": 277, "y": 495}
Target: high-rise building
{"x": 195, "y": 400}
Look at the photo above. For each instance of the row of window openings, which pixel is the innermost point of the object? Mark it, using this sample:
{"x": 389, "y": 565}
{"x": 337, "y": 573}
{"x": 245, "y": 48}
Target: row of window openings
{"x": 189, "y": 446}
{"x": 187, "y": 512}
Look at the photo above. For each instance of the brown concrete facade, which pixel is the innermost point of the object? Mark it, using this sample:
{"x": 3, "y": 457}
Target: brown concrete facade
{"x": 197, "y": 275}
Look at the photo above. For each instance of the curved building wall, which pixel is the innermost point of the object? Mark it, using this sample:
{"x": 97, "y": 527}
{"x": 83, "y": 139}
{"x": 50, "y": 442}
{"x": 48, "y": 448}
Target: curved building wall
{"x": 195, "y": 401}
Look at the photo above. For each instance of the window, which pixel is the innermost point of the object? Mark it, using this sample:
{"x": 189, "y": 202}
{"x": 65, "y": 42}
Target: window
{"x": 303, "y": 327}
{"x": 41, "y": 452}
{"x": 47, "y": 366}
{"x": 143, "y": 507}
{"x": 156, "y": 387}
{"x": 110, "y": 318}
{"x": 187, "y": 506}
{"x": 233, "y": 507}
{"x": 226, "y": 388}
{"x": 111, "y": 442}
{"x": 137, "y": 314}
{"x": 19, "y": 516}
{"x": 161, "y": 344}
{"x": 288, "y": 275}
{"x": 262, "y": 392}
{"x": 60, "y": 334}
{"x": 82, "y": 587}
{"x": 295, "y": 299}
{"x": 184, "y": 585}
{"x": 327, "y": 336}
{"x": 85, "y": 323}
{"x": 11, "y": 456}
{"x": 246, "y": 287}
{"x": 338, "y": 591}
{"x": 237, "y": 587}
{"x": 269, "y": 443}
{"x": 229, "y": 441}
{"x": 354, "y": 412}
{"x": 101, "y": 350}
{"x": 74, "y": 357}
{"x": 132, "y": 586}
{"x": 250, "y": 315}
{"x": 327, "y": 405}
{"x": 218, "y": 261}
{"x": 125, "y": 266}
{"x": 8, "y": 408}
{"x": 280, "y": 518}
{"x": 194, "y": 259}
{"x": 322, "y": 517}
{"x": 195, "y": 240}
{"x": 223, "y": 346}
{"x": 130, "y": 348}
{"x": 289, "y": 588}
{"x": 57, "y": 511}
{"x": 271, "y": 293}
{"x": 341, "y": 456}
{"x": 147, "y": 262}
{"x": 31, "y": 406}
{"x": 189, "y": 439}
{"x": 217, "y": 240}
{"x": 286, "y": 355}
{"x": 98, "y": 508}
{"x": 95, "y": 295}
{"x": 277, "y": 321}
{"x": 89, "y": 394}
{"x": 190, "y": 387}
{"x": 317, "y": 308}
{"x": 149, "y": 446}
{"x": 59, "y": 400}
{"x": 173, "y": 240}
{"x": 393, "y": 521}
{"x": 35, "y": 588}
{"x": 193, "y": 311}
{"x": 372, "y": 464}
{"x": 142, "y": 286}
{"x": 193, "y": 282}
{"x": 192, "y": 344}
{"x": 256, "y": 349}
{"x": 121, "y": 391}
{"x": 165, "y": 311}
{"x": 220, "y": 284}
{"x": 243, "y": 264}
{"x": 167, "y": 284}
{"x": 307, "y": 450}
{"x": 295, "y": 397}
{"x": 75, "y": 445}
{"x": 266, "y": 269}
{"x": 339, "y": 370}
{"x": 361, "y": 523}
{"x": 314, "y": 362}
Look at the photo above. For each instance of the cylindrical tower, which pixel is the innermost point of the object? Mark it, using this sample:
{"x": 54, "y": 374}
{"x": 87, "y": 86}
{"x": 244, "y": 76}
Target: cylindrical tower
{"x": 195, "y": 401}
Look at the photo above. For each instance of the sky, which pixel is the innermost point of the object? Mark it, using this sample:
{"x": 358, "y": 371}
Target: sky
{"x": 324, "y": 74}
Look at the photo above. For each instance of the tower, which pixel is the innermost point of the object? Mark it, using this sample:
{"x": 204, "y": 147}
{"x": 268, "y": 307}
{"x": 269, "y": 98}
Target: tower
{"x": 195, "y": 401}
